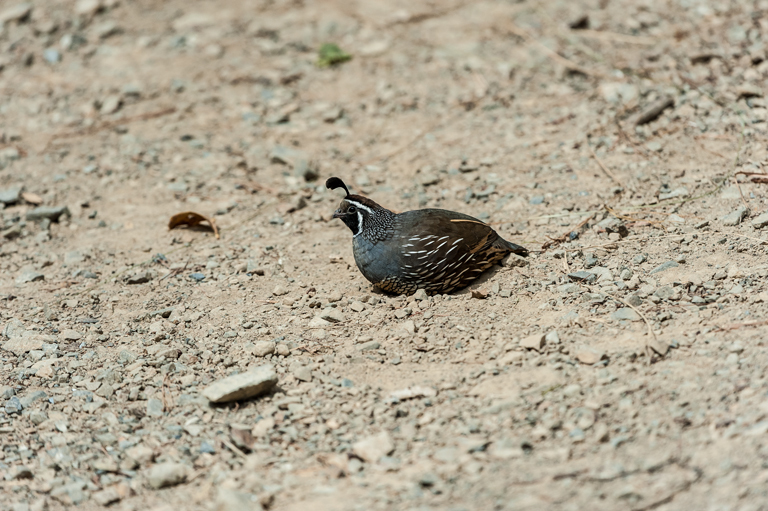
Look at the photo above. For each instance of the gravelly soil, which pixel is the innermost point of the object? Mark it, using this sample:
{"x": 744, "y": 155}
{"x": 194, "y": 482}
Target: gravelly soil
{"x": 621, "y": 366}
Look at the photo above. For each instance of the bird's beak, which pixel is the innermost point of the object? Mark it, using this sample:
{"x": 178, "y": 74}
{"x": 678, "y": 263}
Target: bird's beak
{"x": 338, "y": 214}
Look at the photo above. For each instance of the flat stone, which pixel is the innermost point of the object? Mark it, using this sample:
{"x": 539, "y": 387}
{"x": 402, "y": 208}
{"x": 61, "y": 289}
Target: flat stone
{"x": 167, "y": 474}
{"x": 242, "y": 386}
{"x": 51, "y": 213}
{"x": 420, "y": 295}
{"x": 677, "y": 192}
{"x": 667, "y": 293}
{"x": 10, "y": 195}
{"x": 659, "y": 346}
{"x": 29, "y": 276}
{"x": 589, "y": 356}
{"x": 570, "y": 288}
{"x": 664, "y": 266}
{"x": 625, "y": 314}
{"x": 367, "y": 346}
{"x": 373, "y": 448}
{"x": 20, "y": 345}
{"x": 582, "y": 276}
{"x": 70, "y": 335}
{"x": 332, "y": 315}
{"x": 760, "y": 221}
{"x": 357, "y": 306}
{"x": 139, "y": 278}
{"x": 533, "y": 342}
{"x": 735, "y": 217}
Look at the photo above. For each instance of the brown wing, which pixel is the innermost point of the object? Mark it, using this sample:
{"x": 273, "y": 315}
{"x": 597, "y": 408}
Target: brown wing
{"x": 447, "y": 249}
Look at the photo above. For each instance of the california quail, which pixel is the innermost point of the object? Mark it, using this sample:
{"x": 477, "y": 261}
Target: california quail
{"x": 431, "y": 249}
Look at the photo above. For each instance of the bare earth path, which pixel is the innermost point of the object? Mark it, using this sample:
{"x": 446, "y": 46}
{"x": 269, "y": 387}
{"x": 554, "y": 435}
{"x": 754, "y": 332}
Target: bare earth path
{"x": 621, "y": 368}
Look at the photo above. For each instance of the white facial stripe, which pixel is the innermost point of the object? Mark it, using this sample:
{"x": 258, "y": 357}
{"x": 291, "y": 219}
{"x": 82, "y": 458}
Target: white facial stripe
{"x": 359, "y": 224}
{"x": 358, "y": 205}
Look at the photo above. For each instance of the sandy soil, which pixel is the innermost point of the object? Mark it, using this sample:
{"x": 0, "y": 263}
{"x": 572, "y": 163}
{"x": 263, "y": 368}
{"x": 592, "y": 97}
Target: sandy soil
{"x": 622, "y": 366}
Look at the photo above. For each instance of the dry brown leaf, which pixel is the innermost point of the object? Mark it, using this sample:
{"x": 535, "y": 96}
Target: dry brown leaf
{"x": 32, "y": 198}
{"x": 191, "y": 219}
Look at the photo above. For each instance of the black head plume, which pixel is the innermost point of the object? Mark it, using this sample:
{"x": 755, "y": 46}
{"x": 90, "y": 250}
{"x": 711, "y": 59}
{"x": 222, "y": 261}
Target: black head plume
{"x": 335, "y": 182}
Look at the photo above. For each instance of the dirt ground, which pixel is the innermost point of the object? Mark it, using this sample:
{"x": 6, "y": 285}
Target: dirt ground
{"x": 621, "y": 366}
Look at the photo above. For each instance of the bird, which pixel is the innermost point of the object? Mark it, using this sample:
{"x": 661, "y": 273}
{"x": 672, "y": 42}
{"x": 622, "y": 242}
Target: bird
{"x": 436, "y": 250}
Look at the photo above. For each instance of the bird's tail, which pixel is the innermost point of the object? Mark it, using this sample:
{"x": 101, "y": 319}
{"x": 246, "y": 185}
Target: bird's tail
{"x": 516, "y": 249}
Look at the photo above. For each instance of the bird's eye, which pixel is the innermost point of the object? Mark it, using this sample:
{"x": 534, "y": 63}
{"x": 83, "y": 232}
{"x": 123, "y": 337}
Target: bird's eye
{"x": 352, "y": 209}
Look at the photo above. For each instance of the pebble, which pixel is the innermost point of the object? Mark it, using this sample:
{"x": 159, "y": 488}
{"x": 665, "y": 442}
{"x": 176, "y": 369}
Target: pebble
{"x": 332, "y": 315}
{"x": 582, "y": 276}
{"x": 533, "y": 342}
{"x": 29, "y": 276}
{"x": 760, "y": 221}
{"x": 357, "y": 306}
{"x": 167, "y": 474}
{"x": 420, "y": 295}
{"x": 70, "y": 335}
{"x": 303, "y": 374}
{"x": 13, "y": 405}
{"x": 47, "y": 212}
{"x": 52, "y": 55}
{"x": 371, "y": 449}
{"x": 590, "y": 356}
{"x": 242, "y": 386}
{"x": 154, "y": 407}
{"x": 735, "y": 217}
{"x": 282, "y": 350}
{"x": 10, "y": 195}
{"x": 664, "y": 266}
{"x": 263, "y": 348}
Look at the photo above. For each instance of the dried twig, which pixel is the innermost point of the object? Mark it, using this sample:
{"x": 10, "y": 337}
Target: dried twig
{"x": 525, "y": 35}
{"x": 564, "y": 237}
{"x": 647, "y": 323}
{"x": 614, "y": 37}
{"x": 605, "y": 169}
{"x": 736, "y": 326}
{"x": 111, "y": 124}
{"x": 232, "y": 447}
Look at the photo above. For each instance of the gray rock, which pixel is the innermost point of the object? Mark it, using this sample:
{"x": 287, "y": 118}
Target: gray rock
{"x": 167, "y": 474}
{"x": 332, "y": 315}
{"x": 30, "y": 398}
{"x": 582, "y": 276}
{"x": 242, "y": 386}
{"x": 13, "y": 405}
{"x": 8, "y": 155}
{"x": 667, "y": 293}
{"x": 570, "y": 288}
{"x": 664, "y": 266}
{"x": 70, "y": 335}
{"x": 677, "y": 192}
{"x": 625, "y": 314}
{"x": 639, "y": 259}
{"x": 367, "y": 346}
{"x": 29, "y": 276}
{"x": 514, "y": 260}
{"x": 106, "y": 496}
{"x": 735, "y": 217}
{"x": 52, "y": 55}
{"x": 760, "y": 221}
{"x": 154, "y": 407}
{"x": 10, "y": 195}
{"x": 47, "y": 212}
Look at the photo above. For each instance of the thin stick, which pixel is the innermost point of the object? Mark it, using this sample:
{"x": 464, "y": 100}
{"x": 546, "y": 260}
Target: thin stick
{"x": 647, "y": 323}
{"x": 743, "y": 201}
{"x": 614, "y": 36}
{"x": 525, "y": 35}
{"x": 605, "y": 169}
{"x": 232, "y": 447}
{"x": 735, "y": 326}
